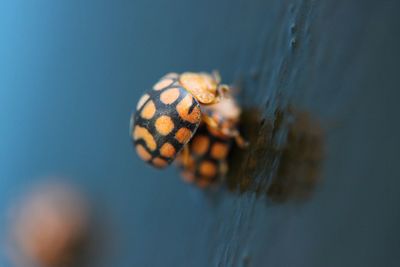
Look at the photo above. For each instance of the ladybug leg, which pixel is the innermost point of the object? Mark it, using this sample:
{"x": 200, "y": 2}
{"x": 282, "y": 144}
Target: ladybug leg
{"x": 240, "y": 141}
{"x": 217, "y": 77}
{"x": 222, "y": 91}
{"x": 209, "y": 121}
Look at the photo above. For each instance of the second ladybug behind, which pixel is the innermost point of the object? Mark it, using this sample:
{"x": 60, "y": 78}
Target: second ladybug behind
{"x": 204, "y": 160}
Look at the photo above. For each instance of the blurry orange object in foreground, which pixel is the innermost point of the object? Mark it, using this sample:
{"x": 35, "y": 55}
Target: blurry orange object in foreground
{"x": 50, "y": 226}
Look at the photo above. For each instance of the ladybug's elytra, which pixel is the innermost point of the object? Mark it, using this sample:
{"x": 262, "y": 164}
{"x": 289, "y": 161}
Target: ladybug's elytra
{"x": 204, "y": 160}
{"x": 165, "y": 119}
{"x": 168, "y": 115}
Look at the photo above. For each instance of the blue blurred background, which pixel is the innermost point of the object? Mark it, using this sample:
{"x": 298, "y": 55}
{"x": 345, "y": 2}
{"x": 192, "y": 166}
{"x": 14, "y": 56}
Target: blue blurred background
{"x": 72, "y": 71}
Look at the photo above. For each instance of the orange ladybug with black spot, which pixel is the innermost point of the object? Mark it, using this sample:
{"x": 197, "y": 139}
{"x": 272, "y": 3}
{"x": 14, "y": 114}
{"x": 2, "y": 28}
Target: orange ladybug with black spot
{"x": 204, "y": 159}
{"x": 168, "y": 115}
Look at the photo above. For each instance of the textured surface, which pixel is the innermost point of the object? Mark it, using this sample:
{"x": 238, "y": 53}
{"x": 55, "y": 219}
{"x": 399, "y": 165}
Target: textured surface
{"x": 71, "y": 72}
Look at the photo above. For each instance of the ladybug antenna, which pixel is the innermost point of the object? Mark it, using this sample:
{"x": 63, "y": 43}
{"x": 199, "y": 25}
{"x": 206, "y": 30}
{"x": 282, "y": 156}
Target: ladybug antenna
{"x": 217, "y": 77}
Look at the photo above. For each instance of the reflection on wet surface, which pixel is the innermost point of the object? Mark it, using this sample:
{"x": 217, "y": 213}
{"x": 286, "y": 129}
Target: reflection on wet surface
{"x": 284, "y": 157}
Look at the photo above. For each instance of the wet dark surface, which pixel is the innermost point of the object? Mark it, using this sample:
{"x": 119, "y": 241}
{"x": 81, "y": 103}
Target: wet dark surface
{"x": 284, "y": 156}
{"x": 320, "y": 76}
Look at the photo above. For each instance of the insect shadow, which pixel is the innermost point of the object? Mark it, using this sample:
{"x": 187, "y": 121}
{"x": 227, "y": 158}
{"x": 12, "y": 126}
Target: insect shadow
{"x": 284, "y": 157}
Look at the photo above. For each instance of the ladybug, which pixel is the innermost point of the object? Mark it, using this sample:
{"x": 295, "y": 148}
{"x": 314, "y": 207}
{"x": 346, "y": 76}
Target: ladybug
{"x": 168, "y": 115}
{"x": 204, "y": 159}
{"x": 222, "y": 119}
